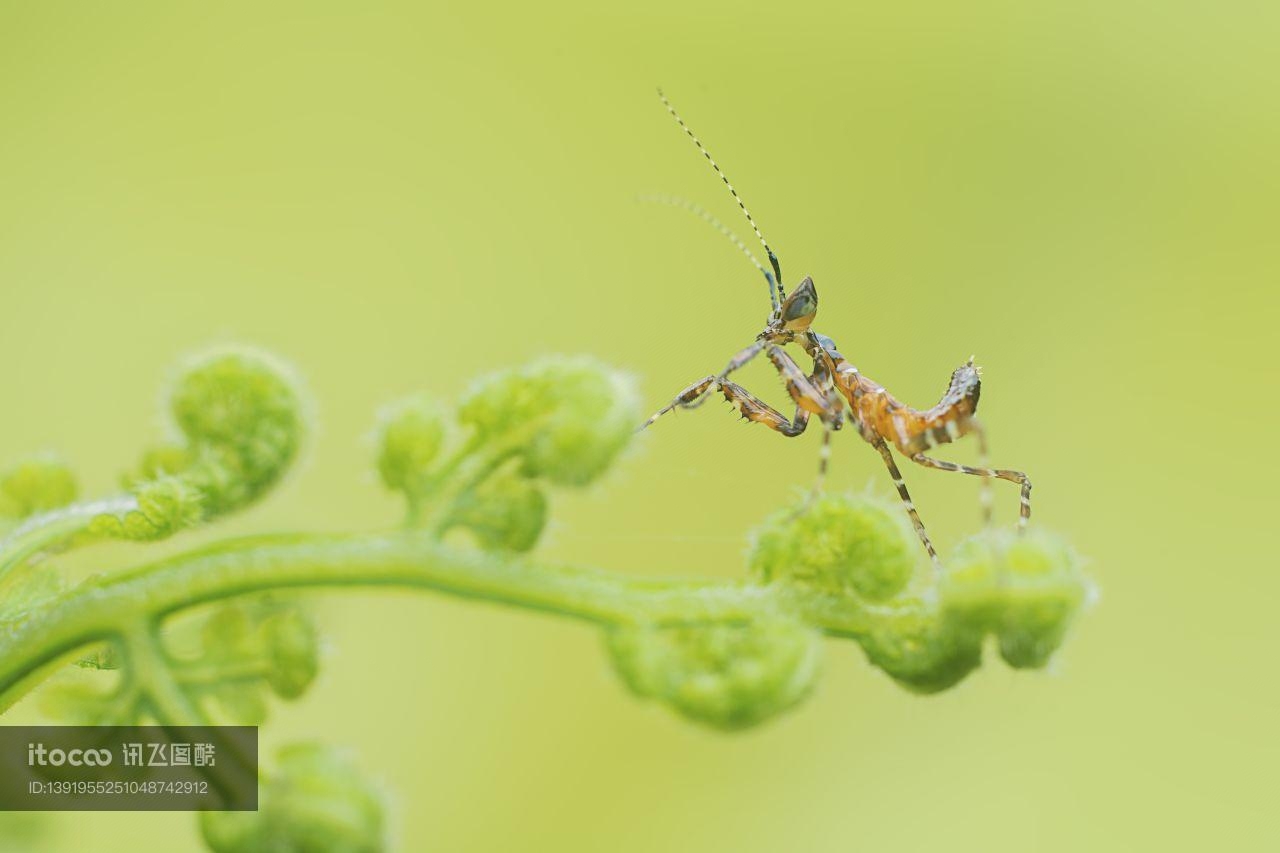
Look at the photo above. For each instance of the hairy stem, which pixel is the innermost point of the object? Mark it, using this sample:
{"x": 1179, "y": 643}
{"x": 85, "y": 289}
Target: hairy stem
{"x": 52, "y": 529}
{"x": 108, "y": 608}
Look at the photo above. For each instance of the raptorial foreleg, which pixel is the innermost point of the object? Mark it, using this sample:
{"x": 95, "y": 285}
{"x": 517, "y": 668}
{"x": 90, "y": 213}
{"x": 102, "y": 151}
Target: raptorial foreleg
{"x": 683, "y": 400}
{"x": 813, "y": 394}
{"x": 751, "y": 407}
{"x": 739, "y": 360}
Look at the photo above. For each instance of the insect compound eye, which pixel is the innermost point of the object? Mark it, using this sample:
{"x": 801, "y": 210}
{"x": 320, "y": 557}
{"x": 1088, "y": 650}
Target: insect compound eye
{"x": 801, "y": 306}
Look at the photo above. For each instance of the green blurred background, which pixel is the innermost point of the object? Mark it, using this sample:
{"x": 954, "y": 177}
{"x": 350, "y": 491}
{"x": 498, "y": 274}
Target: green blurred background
{"x": 398, "y": 196}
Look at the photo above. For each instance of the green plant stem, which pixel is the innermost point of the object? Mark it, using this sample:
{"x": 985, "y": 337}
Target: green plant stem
{"x": 108, "y": 608}
{"x": 433, "y": 511}
{"x": 428, "y": 493}
{"x": 165, "y": 699}
{"x": 170, "y": 705}
{"x": 197, "y": 676}
{"x": 51, "y": 529}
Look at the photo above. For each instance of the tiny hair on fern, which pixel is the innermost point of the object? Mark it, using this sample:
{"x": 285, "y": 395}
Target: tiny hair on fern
{"x": 220, "y": 632}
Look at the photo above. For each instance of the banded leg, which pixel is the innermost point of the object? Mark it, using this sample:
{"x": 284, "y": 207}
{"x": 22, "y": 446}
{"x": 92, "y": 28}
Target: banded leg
{"x": 832, "y": 420}
{"x": 824, "y": 460}
{"x": 985, "y": 497}
{"x": 999, "y": 473}
{"x": 740, "y": 360}
{"x": 683, "y": 400}
{"x": 906, "y": 501}
{"x": 819, "y": 483}
{"x": 751, "y": 407}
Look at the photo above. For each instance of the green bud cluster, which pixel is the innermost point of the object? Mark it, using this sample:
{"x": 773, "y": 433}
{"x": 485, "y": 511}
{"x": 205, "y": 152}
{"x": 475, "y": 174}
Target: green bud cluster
{"x": 854, "y": 555}
{"x": 728, "y": 675}
{"x": 165, "y": 506}
{"x": 242, "y": 416}
{"x": 555, "y": 422}
{"x": 505, "y": 513}
{"x": 240, "y": 413}
{"x": 837, "y": 544}
{"x": 249, "y": 647}
{"x": 920, "y": 648}
{"x": 1025, "y": 590}
{"x": 565, "y": 418}
{"x": 852, "y": 559}
{"x": 412, "y": 434}
{"x": 292, "y": 652}
{"x": 315, "y": 801}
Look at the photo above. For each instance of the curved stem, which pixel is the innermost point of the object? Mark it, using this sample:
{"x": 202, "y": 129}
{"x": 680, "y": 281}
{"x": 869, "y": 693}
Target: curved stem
{"x": 112, "y": 606}
{"x": 198, "y": 676}
{"x": 98, "y": 608}
{"x": 166, "y": 700}
{"x": 50, "y": 529}
{"x": 428, "y": 492}
{"x": 171, "y": 706}
{"x": 464, "y": 478}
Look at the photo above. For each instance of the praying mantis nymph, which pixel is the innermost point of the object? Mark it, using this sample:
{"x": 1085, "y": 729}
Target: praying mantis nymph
{"x": 834, "y": 391}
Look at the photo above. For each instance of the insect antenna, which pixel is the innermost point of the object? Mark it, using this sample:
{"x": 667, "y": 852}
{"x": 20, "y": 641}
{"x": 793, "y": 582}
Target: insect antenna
{"x": 706, "y": 216}
{"x": 773, "y": 259}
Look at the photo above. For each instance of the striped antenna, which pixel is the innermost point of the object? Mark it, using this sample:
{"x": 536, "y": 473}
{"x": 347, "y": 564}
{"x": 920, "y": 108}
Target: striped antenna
{"x": 705, "y": 216}
{"x": 773, "y": 259}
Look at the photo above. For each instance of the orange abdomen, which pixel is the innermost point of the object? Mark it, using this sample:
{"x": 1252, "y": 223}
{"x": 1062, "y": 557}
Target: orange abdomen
{"x": 881, "y": 416}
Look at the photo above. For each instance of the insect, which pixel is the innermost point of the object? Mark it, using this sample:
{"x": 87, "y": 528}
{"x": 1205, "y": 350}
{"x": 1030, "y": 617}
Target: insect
{"x": 835, "y": 392}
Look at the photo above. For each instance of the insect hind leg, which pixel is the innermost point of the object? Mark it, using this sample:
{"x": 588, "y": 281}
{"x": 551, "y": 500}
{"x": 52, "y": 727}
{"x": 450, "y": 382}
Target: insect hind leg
{"x": 986, "y": 498}
{"x": 906, "y": 501}
{"x": 1024, "y": 513}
